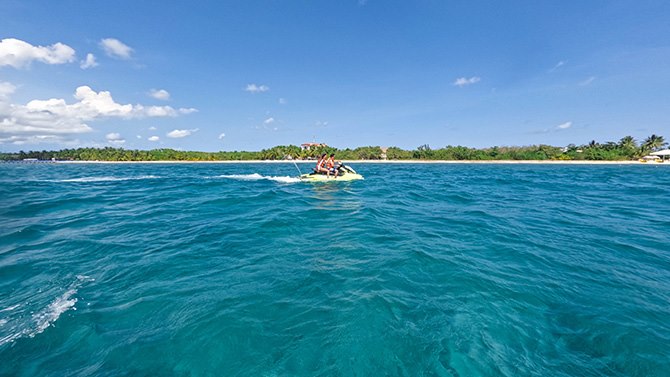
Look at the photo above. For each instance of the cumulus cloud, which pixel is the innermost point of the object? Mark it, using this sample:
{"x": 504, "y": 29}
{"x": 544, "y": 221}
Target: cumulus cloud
{"x": 463, "y": 81}
{"x": 6, "y": 90}
{"x": 176, "y": 134}
{"x": 186, "y": 111}
{"x": 89, "y": 62}
{"x": 32, "y": 139}
{"x": 270, "y": 120}
{"x": 283, "y": 101}
{"x": 564, "y": 126}
{"x": 221, "y": 136}
{"x": 160, "y": 94}
{"x": 47, "y": 118}
{"x": 19, "y": 54}
{"x": 114, "y": 48}
{"x": 154, "y": 138}
{"x": 253, "y": 88}
{"x": 159, "y": 111}
{"x": 115, "y": 138}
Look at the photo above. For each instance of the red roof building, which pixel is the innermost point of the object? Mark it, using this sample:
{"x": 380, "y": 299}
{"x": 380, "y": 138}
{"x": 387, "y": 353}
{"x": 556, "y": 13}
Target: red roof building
{"x": 308, "y": 146}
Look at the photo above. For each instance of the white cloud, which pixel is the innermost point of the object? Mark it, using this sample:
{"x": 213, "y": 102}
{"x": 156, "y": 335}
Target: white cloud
{"x": 52, "y": 117}
{"x": 222, "y": 136}
{"x": 319, "y": 123}
{"x": 152, "y": 128}
{"x": 19, "y": 54}
{"x": 253, "y": 88}
{"x": 116, "y": 49}
{"x": 160, "y": 94}
{"x": 587, "y": 81}
{"x": 154, "y": 138}
{"x": 561, "y": 127}
{"x": 157, "y": 111}
{"x": 186, "y": 111}
{"x": 89, "y": 62}
{"x": 115, "y": 138}
{"x": 557, "y": 66}
{"x": 139, "y": 136}
{"x": 462, "y": 81}
{"x": 175, "y": 134}
{"x": 283, "y": 101}
{"x": 269, "y": 121}
{"x": 91, "y": 105}
{"x": 6, "y": 90}
{"x": 101, "y": 104}
{"x": 36, "y": 139}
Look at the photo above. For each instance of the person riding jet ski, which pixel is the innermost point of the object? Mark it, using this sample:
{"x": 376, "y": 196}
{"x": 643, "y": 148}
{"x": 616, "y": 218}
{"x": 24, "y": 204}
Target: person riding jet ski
{"x": 321, "y": 165}
{"x": 332, "y": 166}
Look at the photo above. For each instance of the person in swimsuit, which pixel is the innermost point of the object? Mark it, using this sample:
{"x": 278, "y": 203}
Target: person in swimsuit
{"x": 321, "y": 165}
{"x": 331, "y": 166}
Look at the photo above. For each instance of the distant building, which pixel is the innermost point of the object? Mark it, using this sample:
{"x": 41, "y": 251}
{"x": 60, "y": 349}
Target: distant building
{"x": 309, "y": 146}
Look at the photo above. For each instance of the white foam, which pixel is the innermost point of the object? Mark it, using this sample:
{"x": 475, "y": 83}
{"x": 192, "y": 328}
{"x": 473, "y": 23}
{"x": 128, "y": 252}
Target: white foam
{"x": 285, "y": 179}
{"x": 258, "y": 177}
{"x": 107, "y": 179}
{"x": 10, "y": 308}
{"x": 46, "y": 317}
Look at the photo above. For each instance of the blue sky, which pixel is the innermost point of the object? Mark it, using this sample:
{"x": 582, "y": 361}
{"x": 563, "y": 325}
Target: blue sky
{"x": 246, "y": 75}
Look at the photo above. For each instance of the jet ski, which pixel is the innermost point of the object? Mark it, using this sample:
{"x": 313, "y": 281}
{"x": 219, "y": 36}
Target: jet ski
{"x": 346, "y": 173}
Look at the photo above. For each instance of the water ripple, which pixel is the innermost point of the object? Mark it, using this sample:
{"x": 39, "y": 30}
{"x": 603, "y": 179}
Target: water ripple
{"x": 455, "y": 270}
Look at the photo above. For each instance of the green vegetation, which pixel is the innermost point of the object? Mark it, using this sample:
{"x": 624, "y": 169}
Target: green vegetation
{"x": 626, "y": 149}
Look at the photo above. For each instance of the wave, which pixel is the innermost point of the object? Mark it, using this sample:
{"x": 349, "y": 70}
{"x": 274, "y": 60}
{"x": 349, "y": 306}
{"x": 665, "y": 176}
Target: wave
{"x": 10, "y": 308}
{"x": 106, "y": 179}
{"x": 258, "y": 177}
{"x": 46, "y": 317}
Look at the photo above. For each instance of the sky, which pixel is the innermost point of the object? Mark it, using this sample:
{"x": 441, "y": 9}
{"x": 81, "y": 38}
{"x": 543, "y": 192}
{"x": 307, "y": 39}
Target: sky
{"x": 248, "y": 75}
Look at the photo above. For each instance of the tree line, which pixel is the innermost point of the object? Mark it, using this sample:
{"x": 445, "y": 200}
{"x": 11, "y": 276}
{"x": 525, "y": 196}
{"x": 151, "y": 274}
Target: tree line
{"x": 627, "y": 148}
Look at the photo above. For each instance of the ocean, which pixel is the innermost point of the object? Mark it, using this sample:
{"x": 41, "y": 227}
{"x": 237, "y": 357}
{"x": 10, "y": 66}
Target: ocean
{"x": 418, "y": 270}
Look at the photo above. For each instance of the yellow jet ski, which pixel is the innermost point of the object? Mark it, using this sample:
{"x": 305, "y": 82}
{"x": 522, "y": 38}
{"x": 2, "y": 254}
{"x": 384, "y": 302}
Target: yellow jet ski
{"x": 346, "y": 173}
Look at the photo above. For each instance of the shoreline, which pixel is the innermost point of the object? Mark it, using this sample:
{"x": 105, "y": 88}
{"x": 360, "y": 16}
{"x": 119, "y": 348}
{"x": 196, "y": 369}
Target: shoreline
{"x": 480, "y": 162}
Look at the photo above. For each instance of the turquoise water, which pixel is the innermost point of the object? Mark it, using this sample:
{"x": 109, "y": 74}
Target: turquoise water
{"x": 444, "y": 270}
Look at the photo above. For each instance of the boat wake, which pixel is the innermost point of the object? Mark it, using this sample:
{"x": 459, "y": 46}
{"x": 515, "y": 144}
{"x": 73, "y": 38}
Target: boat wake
{"x": 43, "y": 318}
{"x": 106, "y": 179}
{"x": 258, "y": 177}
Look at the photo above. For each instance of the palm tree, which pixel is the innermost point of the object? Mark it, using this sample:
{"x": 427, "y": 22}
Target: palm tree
{"x": 628, "y": 147}
{"x": 628, "y": 143}
{"x": 654, "y": 142}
